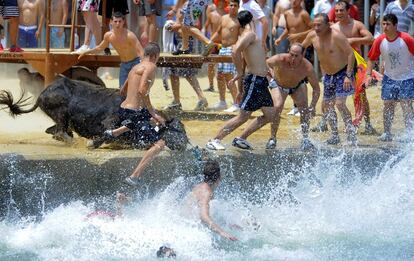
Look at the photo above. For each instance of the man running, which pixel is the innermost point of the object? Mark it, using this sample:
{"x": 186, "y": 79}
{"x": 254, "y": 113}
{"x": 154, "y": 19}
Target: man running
{"x": 337, "y": 61}
{"x": 254, "y": 94}
{"x": 291, "y": 72}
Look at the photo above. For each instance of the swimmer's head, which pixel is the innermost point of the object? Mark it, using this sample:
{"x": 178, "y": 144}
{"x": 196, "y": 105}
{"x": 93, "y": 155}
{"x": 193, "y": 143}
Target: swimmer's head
{"x": 321, "y": 23}
{"x": 211, "y": 172}
{"x": 166, "y": 251}
{"x": 244, "y": 17}
{"x": 152, "y": 50}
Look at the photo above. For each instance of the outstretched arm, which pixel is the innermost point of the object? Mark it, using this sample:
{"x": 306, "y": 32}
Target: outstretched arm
{"x": 99, "y": 48}
{"x": 206, "y": 219}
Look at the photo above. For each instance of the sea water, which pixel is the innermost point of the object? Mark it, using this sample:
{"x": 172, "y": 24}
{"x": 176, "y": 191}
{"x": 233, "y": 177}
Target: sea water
{"x": 322, "y": 214}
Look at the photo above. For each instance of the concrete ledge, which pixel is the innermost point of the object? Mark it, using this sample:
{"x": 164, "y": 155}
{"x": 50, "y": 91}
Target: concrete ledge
{"x": 31, "y": 186}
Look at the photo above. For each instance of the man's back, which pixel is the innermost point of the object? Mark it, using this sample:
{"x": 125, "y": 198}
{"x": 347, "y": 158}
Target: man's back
{"x": 134, "y": 96}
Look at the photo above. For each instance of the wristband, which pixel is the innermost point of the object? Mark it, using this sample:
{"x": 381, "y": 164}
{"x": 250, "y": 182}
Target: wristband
{"x": 272, "y": 84}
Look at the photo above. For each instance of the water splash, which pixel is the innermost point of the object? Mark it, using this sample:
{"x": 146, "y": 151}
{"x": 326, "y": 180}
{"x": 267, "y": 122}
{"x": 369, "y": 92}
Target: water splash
{"x": 329, "y": 212}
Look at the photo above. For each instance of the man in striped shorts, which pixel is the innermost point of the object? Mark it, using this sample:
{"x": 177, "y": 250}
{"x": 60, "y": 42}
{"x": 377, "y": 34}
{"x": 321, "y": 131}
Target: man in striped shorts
{"x": 254, "y": 94}
{"x": 228, "y": 32}
{"x": 10, "y": 10}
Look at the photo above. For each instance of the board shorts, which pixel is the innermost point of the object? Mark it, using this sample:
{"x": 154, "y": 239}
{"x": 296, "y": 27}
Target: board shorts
{"x": 88, "y": 5}
{"x": 394, "y": 90}
{"x": 334, "y": 85}
{"x": 27, "y": 36}
{"x": 55, "y": 40}
{"x": 226, "y": 67}
{"x": 256, "y": 93}
{"x": 194, "y": 10}
{"x": 9, "y": 8}
{"x": 125, "y": 68}
{"x": 138, "y": 121}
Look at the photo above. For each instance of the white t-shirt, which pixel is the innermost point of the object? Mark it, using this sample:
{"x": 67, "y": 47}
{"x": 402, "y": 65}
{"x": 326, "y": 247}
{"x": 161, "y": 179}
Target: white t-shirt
{"x": 257, "y": 13}
{"x": 398, "y": 55}
{"x": 323, "y": 7}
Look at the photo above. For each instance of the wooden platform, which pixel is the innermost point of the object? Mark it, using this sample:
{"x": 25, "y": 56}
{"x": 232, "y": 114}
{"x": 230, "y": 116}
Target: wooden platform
{"x": 59, "y": 60}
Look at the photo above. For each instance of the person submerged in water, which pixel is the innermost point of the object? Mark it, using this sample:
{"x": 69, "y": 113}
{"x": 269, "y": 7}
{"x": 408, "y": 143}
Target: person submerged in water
{"x": 200, "y": 196}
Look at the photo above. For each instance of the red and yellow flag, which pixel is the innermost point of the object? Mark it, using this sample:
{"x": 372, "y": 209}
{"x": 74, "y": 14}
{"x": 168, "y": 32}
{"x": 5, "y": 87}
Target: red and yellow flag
{"x": 360, "y": 94}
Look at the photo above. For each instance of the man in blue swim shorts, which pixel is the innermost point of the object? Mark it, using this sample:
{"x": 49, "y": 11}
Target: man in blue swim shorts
{"x": 337, "y": 61}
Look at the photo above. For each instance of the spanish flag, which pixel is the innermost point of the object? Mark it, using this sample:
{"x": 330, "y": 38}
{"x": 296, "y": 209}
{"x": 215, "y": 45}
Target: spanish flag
{"x": 360, "y": 93}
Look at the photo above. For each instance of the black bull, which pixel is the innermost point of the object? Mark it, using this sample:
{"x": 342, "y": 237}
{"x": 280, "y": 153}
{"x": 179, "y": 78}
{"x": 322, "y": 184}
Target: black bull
{"x": 88, "y": 110}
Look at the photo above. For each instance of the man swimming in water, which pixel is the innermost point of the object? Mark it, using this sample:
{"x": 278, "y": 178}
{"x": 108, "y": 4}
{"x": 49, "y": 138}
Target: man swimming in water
{"x": 201, "y": 195}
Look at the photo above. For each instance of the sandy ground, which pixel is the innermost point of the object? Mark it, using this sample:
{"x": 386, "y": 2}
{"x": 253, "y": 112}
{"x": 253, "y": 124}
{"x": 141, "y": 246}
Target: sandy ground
{"x": 25, "y": 134}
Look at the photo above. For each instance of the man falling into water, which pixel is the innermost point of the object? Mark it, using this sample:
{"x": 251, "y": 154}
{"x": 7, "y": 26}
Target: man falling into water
{"x": 201, "y": 195}
{"x": 337, "y": 61}
{"x": 136, "y": 110}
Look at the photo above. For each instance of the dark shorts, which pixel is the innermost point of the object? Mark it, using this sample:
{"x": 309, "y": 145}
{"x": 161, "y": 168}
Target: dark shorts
{"x": 334, "y": 85}
{"x": 9, "y": 8}
{"x": 256, "y": 93}
{"x": 147, "y": 9}
{"x": 138, "y": 121}
{"x": 113, "y": 6}
{"x": 393, "y": 90}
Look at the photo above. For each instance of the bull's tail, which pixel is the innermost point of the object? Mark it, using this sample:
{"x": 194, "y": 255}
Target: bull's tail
{"x": 15, "y": 108}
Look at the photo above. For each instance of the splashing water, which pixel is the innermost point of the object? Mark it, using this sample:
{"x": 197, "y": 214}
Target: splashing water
{"x": 327, "y": 216}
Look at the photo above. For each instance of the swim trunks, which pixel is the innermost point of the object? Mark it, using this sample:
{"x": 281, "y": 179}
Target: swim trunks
{"x": 138, "y": 121}
{"x": 256, "y": 93}
{"x": 125, "y": 68}
{"x": 27, "y": 36}
{"x": 55, "y": 40}
{"x": 396, "y": 90}
{"x": 226, "y": 67}
{"x": 148, "y": 9}
{"x": 334, "y": 85}
{"x": 9, "y": 8}
{"x": 113, "y": 6}
{"x": 290, "y": 91}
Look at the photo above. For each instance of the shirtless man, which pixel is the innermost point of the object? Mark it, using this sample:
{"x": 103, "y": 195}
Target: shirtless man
{"x": 125, "y": 43}
{"x": 59, "y": 15}
{"x": 298, "y": 23}
{"x": 279, "y": 24}
{"x": 337, "y": 61}
{"x": 210, "y": 27}
{"x": 136, "y": 110}
{"x": 31, "y": 21}
{"x": 227, "y": 33}
{"x": 291, "y": 72}
{"x": 357, "y": 35}
{"x": 254, "y": 94}
{"x": 201, "y": 195}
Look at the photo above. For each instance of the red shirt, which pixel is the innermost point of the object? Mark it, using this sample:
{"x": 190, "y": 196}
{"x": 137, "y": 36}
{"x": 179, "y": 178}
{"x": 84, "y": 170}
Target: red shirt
{"x": 353, "y": 13}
